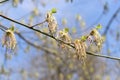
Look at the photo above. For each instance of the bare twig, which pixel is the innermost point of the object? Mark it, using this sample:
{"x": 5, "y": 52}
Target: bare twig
{"x": 90, "y": 53}
{"x": 110, "y": 21}
{"x": 47, "y": 50}
{"x": 105, "y": 56}
{"x": 34, "y": 45}
{"x": 27, "y": 41}
{"x": 39, "y": 23}
{"x": 36, "y": 30}
{"x": 4, "y": 1}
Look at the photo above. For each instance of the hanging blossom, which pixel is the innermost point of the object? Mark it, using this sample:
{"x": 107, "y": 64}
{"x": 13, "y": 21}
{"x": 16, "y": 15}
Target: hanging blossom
{"x": 9, "y": 40}
{"x": 64, "y": 36}
{"x": 52, "y": 23}
{"x": 97, "y": 38}
{"x": 80, "y": 48}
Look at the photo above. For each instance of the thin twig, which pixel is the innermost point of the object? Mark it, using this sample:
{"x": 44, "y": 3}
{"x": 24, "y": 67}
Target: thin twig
{"x": 27, "y": 41}
{"x": 47, "y": 50}
{"x": 98, "y": 55}
{"x": 27, "y": 26}
{"x": 4, "y": 1}
{"x": 105, "y": 56}
{"x": 32, "y": 44}
{"x": 39, "y": 23}
{"x": 2, "y": 29}
{"x": 110, "y": 21}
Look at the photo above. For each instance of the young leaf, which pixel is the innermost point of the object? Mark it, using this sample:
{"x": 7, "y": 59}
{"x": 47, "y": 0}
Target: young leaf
{"x": 83, "y": 38}
{"x": 53, "y": 10}
{"x": 66, "y": 30}
{"x": 98, "y": 26}
{"x": 12, "y": 28}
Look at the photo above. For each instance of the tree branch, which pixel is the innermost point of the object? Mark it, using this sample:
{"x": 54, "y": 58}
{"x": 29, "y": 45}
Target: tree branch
{"x": 27, "y": 26}
{"x": 4, "y": 1}
{"x": 47, "y": 50}
{"x": 27, "y": 41}
{"x": 105, "y": 56}
{"x": 110, "y": 21}
{"x": 38, "y": 23}
{"x": 90, "y": 53}
{"x": 34, "y": 45}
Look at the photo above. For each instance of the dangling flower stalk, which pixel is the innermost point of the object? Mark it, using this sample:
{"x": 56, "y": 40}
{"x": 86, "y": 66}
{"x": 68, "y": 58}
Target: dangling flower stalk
{"x": 97, "y": 38}
{"x": 80, "y": 48}
{"x": 52, "y": 23}
{"x": 9, "y": 40}
{"x": 64, "y": 36}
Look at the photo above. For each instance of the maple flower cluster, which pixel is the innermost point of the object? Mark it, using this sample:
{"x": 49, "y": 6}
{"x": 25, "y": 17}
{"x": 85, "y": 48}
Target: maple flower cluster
{"x": 52, "y": 23}
{"x": 79, "y": 44}
{"x": 9, "y": 40}
{"x": 80, "y": 48}
{"x": 63, "y": 36}
{"x": 98, "y": 40}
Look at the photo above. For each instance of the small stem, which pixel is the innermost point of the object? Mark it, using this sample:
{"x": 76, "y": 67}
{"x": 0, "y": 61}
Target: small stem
{"x": 105, "y": 56}
{"x": 39, "y": 23}
{"x": 90, "y": 53}
{"x": 110, "y": 21}
{"x": 3, "y": 1}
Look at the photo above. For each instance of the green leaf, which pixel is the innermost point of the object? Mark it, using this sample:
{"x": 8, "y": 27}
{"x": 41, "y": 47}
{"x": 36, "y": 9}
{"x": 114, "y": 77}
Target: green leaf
{"x": 53, "y": 10}
{"x": 12, "y": 28}
{"x": 66, "y": 30}
{"x": 98, "y": 26}
{"x": 83, "y": 38}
